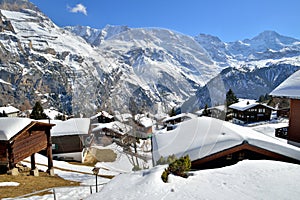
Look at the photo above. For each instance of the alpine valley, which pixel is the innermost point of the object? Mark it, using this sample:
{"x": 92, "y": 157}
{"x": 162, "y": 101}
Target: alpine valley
{"x": 80, "y": 69}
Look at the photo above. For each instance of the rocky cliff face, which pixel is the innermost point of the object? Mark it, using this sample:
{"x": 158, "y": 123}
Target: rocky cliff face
{"x": 17, "y": 5}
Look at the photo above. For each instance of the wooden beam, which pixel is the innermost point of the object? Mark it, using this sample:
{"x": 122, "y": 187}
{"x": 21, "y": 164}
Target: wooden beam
{"x": 32, "y": 159}
{"x": 49, "y": 152}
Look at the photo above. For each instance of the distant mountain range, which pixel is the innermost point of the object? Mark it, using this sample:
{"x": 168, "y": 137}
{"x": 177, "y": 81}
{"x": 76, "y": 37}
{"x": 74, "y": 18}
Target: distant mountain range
{"x": 81, "y": 69}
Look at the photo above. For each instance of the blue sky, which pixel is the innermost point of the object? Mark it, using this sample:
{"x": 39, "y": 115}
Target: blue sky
{"x": 230, "y": 20}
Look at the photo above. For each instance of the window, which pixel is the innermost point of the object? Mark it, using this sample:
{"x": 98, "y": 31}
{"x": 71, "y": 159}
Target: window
{"x": 241, "y": 155}
{"x": 229, "y": 157}
{"x": 54, "y": 146}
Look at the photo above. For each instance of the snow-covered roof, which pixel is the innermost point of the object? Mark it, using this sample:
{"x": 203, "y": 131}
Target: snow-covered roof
{"x": 182, "y": 115}
{"x": 52, "y": 113}
{"x": 9, "y": 109}
{"x": 143, "y": 120}
{"x": 199, "y": 112}
{"x": 9, "y": 127}
{"x": 246, "y": 104}
{"x": 123, "y": 117}
{"x": 221, "y": 108}
{"x": 74, "y": 126}
{"x": 116, "y": 126}
{"x": 102, "y": 113}
{"x": 205, "y": 136}
{"x": 289, "y": 88}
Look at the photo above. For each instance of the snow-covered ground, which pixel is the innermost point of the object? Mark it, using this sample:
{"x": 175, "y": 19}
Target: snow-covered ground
{"x": 83, "y": 174}
{"x": 245, "y": 180}
{"x": 248, "y": 179}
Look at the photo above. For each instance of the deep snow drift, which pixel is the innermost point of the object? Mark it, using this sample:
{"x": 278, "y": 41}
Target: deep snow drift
{"x": 247, "y": 179}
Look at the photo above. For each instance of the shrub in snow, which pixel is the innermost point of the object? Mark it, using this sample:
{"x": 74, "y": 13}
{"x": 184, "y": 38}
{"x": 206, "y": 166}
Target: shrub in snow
{"x": 179, "y": 168}
{"x": 164, "y": 175}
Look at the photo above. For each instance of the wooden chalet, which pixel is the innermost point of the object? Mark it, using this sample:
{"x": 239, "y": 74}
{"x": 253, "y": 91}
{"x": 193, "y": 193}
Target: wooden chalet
{"x": 290, "y": 89}
{"x": 249, "y": 111}
{"x": 283, "y": 112}
{"x": 142, "y": 126}
{"x": 115, "y": 130}
{"x": 212, "y": 143}
{"x": 240, "y": 152}
{"x": 70, "y": 139}
{"x": 102, "y": 117}
{"x": 218, "y": 112}
{"x": 21, "y": 138}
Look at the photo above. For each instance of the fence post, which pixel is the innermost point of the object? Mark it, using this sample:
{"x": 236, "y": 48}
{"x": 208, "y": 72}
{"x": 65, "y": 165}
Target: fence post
{"x": 91, "y": 190}
{"x": 54, "y": 195}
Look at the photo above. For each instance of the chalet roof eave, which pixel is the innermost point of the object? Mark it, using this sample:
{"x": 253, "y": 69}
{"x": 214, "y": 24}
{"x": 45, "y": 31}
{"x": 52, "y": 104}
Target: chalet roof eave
{"x": 29, "y": 126}
{"x": 251, "y": 106}
{"x": 285, "y": 96}
{"x": 245, "y": 146}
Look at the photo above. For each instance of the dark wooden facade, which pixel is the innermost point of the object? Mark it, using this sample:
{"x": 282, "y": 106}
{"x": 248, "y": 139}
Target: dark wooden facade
{"x": 238, "y": 153}
{"x": 104, "y": 119}
{"x": 32, "y": 139}
{"x": 283, "y": 112}
{"x": 217, "y": 113}
{"x": 294, "y": 122}
{"x": 68, "y": 144}
{"x": 254, "y": 114}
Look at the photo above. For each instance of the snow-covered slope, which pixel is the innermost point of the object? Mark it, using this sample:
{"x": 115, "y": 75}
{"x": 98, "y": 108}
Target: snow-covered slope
{"x": 266, "y": 45}
{"x": 44, "y": 62}
{"x": 161, "y": 65}
{"x": 96, "y": 36}
{"x": 247, "y": 179}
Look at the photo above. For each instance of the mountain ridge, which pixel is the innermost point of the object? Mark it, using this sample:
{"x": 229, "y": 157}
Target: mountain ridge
{"x": 120, "y": 68}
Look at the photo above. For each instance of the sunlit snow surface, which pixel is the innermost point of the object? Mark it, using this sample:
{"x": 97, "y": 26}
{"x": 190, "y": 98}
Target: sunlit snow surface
{"x": 290, "y": 88}
{"x": 245, "y": 180}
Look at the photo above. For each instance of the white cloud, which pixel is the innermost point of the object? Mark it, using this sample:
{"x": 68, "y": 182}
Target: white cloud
{"x": 79, "y": 8}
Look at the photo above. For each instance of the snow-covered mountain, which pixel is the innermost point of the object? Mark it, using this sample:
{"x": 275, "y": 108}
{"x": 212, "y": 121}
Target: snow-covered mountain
{"x": 116, "y": 67}
{"x": 256, "y": 67}
{"x": 81, "y": 69}
{"x": 96, "y": 36}
{"x": 42, "y": 61}
{"x": 246, "y": 83}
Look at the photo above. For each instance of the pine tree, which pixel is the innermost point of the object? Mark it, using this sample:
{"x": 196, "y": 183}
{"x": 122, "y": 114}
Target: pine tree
{"x": 38, "y": 112}
{"x": 206, "y": 111}
{"x": 231, "y": 98}
{"x": 3, "y": 114}
{"x": 172, "y": 112}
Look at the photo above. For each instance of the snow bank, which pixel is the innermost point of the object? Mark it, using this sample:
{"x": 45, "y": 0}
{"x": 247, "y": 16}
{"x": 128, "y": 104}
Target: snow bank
{"x": 247, "y": 179}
